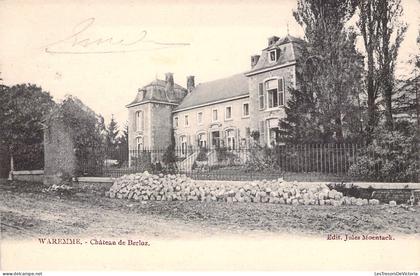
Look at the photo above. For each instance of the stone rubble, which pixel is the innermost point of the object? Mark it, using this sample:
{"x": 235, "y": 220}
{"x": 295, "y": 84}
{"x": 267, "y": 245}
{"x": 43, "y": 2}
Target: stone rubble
{"x": 147, "y": 187}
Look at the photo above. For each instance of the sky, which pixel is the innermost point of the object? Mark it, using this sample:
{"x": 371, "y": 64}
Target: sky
{"x": 103, "y": 51}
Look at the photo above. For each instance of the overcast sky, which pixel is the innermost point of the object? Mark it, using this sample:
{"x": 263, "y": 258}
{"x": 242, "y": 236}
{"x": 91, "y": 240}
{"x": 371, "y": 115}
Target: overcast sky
{"x": 52, "y": 44}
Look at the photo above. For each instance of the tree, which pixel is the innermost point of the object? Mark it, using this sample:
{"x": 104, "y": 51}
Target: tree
{"x": 22, "y": 110}
{"x": 322, "y": 107}
{"x": 301, "y": 124}
{"x": 382, "y": 32}
{"x": 122, "y": 139}
{"x": 122, "y": 145}
{"x": 112, "y": 134}
{"x": 87, "y": 130}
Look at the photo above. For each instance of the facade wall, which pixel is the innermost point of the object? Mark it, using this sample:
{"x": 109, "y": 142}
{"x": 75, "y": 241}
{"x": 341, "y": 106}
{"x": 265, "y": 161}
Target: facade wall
{"x": 238, "y": 123}
{"x": 157, "y": 124}
{"x": 262, "y": 120}
{"x": 161, "y": 125}
{"x": 133, "y": 132}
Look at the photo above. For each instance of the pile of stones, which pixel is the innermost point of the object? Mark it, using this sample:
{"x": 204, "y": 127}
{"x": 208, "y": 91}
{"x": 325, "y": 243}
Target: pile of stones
{"x": 148, "y": 187}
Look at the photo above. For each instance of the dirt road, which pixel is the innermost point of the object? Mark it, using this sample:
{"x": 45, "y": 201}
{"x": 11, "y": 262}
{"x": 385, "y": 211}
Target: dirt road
{"x": 27, "y": 212}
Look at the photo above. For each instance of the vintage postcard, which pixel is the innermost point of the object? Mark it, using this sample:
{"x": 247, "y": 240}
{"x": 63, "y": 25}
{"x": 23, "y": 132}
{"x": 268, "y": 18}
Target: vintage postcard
{"x": 238, "y": 135}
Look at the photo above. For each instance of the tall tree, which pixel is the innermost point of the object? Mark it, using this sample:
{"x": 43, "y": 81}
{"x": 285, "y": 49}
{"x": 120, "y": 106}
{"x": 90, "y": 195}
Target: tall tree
{"x": 112, "y": 133}
{"x": 122, "y": 139}
{"x": 331, "y": 68}
{"x": 383, "y": 31}
{"x": 22, "y": 110}
{"x": 122, "y": 145}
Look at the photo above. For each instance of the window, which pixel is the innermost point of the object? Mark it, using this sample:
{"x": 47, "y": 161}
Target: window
{"x": 176, "y": 122}
{"x": 202, "y": 140}
{"x": 261, "y": 96}
{"x": 230, "y": 139}
{"x": 186, "y": 122}
{"x": 272, "y": 55}
{"x": 275, "y": 93}
{"x": 139, "y": 120}
{"x": 272, "y": 93}
{"x": 228, "y": 113}
{"x": 273, "y": 132}
{"x": 245, "y": 110}
{"x": 200, "y": 118}
{"x": 139, "y": 143}
{"x": 215, "y": 115}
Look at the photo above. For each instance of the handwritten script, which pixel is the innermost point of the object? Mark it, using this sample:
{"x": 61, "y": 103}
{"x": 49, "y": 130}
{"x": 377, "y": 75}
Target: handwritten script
{"x": 79, "y": 42}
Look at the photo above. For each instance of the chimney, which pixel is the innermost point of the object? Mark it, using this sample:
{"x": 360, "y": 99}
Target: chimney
{"x": 272, "y": 40}
{"x": 254, "y": 60}
{"x": 190, "y": 83}
{"x": 169, "y": 78}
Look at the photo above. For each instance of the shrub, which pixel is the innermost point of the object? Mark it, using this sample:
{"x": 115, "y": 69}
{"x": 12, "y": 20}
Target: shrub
{"x": 226, "y": 156}
{"x": 392, "y": 156}
{"x": 263, "y": 159}
{"x": 202, "y": 155}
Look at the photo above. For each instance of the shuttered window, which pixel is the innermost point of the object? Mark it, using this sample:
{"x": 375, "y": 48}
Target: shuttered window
{"x": 281, "y": 92}
{"x": 261, "y": 96}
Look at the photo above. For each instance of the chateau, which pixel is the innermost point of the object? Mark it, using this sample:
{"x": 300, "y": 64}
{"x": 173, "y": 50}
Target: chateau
{"x": 223, "y": 112}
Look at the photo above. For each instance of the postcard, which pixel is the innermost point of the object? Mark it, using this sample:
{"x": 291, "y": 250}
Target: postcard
{"x": 209, "y": 136}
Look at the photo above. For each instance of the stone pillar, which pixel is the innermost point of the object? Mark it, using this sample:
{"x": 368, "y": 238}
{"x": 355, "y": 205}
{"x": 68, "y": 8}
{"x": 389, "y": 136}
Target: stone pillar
{"x": 59, "y": 154}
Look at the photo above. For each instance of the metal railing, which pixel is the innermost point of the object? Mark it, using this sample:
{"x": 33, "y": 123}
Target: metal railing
{"x": 305, "y": 161}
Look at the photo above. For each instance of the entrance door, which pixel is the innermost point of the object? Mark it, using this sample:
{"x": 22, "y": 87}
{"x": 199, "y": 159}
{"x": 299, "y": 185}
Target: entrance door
{"x": 183, "y": 145}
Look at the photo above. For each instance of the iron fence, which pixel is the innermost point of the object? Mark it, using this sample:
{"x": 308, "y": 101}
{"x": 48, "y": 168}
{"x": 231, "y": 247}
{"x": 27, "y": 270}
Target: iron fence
{"x": 328, "y": 162}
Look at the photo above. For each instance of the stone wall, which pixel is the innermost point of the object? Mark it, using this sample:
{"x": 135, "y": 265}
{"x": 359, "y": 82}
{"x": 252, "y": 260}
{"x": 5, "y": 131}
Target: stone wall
{"x": 93, "y": 185}
{"x": 29, "y": 176}
{"x": 399, "y": 195}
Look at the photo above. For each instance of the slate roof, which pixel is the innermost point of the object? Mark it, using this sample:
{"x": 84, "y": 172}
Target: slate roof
{"x": 217, "y": 90}
{"x": 156, "y": 91}
{"x": 289, "y": 47}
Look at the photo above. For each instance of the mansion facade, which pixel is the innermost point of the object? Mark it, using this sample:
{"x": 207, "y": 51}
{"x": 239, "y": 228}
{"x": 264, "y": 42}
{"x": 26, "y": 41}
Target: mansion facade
{"x": 223, "y": 112}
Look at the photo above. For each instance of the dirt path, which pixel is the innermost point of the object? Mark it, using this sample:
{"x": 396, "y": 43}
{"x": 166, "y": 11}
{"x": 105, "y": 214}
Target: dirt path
{"x": 27, "y": 212}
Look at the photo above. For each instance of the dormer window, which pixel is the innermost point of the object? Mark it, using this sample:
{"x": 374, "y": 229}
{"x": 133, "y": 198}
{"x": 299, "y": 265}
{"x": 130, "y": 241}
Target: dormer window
{"x": 272, "y": 55}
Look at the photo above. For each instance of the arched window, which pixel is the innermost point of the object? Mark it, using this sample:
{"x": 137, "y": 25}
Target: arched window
{"x": 139, "y": 119}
